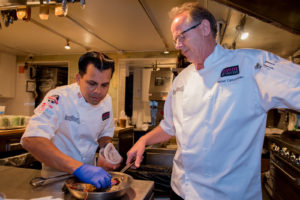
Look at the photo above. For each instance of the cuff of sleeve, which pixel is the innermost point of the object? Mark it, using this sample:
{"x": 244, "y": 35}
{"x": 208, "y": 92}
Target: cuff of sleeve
{"x": 169, "y": 129}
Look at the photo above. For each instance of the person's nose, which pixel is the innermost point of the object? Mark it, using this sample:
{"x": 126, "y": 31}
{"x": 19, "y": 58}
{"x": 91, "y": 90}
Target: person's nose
{"x": 179, "y": 45}
{"x": 98, "y": 90}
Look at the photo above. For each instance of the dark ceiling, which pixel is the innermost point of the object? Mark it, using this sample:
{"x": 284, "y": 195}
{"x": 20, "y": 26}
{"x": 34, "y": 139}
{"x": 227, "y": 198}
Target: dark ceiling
{"x": 282, "y": 13}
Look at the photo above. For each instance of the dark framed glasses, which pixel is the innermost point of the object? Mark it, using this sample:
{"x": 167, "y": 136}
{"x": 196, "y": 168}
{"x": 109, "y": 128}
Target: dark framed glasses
{"x": 181, "y": 36}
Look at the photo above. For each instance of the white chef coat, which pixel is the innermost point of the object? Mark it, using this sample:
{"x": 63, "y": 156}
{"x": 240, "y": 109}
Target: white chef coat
{"x": 73, "y": 125}
{"x": 218, "y": 115}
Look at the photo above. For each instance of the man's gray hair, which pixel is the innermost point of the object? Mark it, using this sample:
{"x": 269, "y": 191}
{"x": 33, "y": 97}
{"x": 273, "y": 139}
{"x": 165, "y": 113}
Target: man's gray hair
{"x": 196, "y": 13}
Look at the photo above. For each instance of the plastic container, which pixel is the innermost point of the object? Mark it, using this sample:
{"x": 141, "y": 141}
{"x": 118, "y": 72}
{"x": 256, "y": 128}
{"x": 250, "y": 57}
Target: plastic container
{"x": 15, "y": 121}
{"x": 4, "y": 121}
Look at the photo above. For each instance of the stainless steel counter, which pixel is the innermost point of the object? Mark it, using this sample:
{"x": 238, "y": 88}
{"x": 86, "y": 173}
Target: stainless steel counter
{"x": 14, "y": 184}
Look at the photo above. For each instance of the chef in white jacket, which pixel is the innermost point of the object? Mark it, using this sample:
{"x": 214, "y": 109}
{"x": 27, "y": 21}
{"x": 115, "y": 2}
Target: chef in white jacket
{"x": 72, "y": 121}
{"x": 217, "y": 109}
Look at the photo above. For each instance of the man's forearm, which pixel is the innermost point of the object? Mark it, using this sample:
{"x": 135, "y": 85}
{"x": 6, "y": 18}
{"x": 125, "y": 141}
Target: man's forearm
{"x": 45, "y": 151}
{"x": 155, "y": 136}
{"x": 103, "y": 141}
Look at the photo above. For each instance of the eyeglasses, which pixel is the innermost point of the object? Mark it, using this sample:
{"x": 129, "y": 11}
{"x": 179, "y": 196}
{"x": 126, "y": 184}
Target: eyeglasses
{"x": 181, "y": 37}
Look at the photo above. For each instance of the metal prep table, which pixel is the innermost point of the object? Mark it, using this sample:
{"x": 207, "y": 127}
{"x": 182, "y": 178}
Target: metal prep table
{"x": 14, "y": 184}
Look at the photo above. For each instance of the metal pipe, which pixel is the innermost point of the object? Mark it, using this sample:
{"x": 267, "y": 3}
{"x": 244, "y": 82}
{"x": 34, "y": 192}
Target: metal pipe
{"x": 226, "y": 25}
{"x": 92, "y": 33}
{"x": 53, "y": 31}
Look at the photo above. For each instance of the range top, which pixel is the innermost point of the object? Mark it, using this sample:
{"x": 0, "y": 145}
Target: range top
{"x": 289, "y": 139}
{"x": 286, "y": 146}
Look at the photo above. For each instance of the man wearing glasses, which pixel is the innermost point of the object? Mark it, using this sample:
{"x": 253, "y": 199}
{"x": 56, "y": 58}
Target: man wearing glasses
{"x": 217, "y": 109}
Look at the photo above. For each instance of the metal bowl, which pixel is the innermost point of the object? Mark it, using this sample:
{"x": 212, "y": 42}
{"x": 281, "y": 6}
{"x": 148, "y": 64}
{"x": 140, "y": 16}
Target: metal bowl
{"x": 114, "y": 193}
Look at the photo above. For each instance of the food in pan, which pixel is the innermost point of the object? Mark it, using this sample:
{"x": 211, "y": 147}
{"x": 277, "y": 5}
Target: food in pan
{"x": 120, "y": 185}
{"x": 85, "y": 187}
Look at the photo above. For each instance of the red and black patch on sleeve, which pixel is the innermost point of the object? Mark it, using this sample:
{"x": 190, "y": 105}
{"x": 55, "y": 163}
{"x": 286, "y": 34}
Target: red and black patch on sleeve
{"x": 105, "y": 116}
{"x": 53, "y": 99}
{"x": 230, "y": 71}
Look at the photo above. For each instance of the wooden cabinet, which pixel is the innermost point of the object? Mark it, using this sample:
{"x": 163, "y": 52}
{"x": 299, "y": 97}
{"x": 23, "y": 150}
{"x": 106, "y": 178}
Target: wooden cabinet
{"x": 7, "y": 75}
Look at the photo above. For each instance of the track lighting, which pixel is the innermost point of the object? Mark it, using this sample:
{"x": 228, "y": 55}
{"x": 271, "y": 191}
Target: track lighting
{"x": 59, "y": 11}
{"x": 68, "y": 45}
{"x": 22, "y": 13}
{"x": 44, "y": 12}
{"x": 244, "y": 35}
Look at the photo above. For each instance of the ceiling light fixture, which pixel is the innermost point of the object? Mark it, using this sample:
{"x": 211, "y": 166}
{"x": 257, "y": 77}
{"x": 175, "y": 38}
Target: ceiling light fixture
{"x": 58, "y": 10}
{"x": 244, "y": 35}
{"x": 44, "y": 12}
{"x": 22, "y": 13}
{"x": 240, "y": 29}
{"x": 68, "y": 45}
{"x": 166, "y": 51}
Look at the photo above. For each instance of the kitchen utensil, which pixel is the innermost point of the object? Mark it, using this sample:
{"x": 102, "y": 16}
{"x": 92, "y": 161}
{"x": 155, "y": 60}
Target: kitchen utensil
{"x": 40, "y": 181}
{"x": 127, "y": 166}
{"x": 115, "y": 192}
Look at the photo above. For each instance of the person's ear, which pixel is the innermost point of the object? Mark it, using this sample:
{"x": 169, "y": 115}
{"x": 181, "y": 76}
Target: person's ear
{"x": 205, "y": 27}
{"x": 78, "y": 78}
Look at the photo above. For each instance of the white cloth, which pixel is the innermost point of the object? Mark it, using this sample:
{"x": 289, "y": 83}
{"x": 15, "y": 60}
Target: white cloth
{"x": 73, "y": 125}
{"x": 218, "y": 115}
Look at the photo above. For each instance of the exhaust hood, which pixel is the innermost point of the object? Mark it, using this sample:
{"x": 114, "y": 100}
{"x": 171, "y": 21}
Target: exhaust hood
{"x": 160, "y": 84}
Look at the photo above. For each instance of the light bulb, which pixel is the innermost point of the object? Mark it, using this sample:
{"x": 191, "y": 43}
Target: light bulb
{"x": 44, "y": 12}
{"x": 68, "y": 45}
{"x": 244, "y": 35}
{"x": 21, "y": 13}
{"x": 58, "y": 11}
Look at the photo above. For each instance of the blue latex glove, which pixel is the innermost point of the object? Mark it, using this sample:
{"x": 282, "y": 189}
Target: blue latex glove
{"x": 93, "y": 175}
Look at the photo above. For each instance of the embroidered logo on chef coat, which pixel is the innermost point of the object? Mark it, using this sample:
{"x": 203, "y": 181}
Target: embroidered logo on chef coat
{"x": 269, "y": 65}
{"x": 257, "y": 66}
{"x": 105, "y": 116}
{"x": 79, "y": 95}
{"x": 43, "y": 106}
{"x": 48, "y": 112}
{"x": 230, "y": 71}
{"x": 53, "y": 99}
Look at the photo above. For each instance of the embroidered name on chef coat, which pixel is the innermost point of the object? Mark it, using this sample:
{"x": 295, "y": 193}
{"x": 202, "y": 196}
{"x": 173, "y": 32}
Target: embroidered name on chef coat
{"x": 72, "y": 118}
{"x": 53, "y": 99}
{"x": 230, "y": 71}
{"x": 178, "y": 89}
{"x": 105, "y": 116}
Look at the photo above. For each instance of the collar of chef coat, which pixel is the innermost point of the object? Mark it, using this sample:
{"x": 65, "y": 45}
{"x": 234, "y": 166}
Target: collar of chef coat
{"x": 214, "y": 57}
{"x": 211, "y": 70}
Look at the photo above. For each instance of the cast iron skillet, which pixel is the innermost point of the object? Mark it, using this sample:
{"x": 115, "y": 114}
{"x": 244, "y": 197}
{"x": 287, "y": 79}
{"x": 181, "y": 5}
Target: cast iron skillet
{"x": 115, "y": 192}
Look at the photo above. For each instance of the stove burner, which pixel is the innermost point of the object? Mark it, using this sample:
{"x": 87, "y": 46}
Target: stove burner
{"x": 287, "y": 147}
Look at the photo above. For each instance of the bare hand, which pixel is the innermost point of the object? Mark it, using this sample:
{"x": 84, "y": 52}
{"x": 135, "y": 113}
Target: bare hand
{"x": 136, "y": 152}
{"x": 102, "y": 162}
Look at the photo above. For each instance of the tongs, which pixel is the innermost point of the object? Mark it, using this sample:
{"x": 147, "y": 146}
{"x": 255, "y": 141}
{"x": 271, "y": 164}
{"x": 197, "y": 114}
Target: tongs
{"x": 40, "y": 181}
